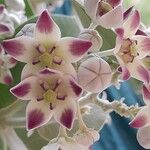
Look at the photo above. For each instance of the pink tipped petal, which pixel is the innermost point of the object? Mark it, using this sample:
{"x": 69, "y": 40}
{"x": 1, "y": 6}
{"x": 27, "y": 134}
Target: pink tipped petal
{"x": 72, "y": 49}
{"x": 28, "y": 89}
{"x": 2, "y": 7}
{"x": 143, "y": 137}
{"x": 138, "y": 71}
{"x": 120, "y": 33}
{"x": 140, "y": 32}
{"x": 142, "y": 119}
{"x": 146, "y": 94}
{"x": 107, "y": 21}
{"x": 125, "y": 73}
{"x": 38, "y": 114}
{"x": 46, "y": 29}
{"x": 65, "y": 112}
{"x": 94, "y": 75}
{"x": 127, "y": 13}
{"x": 6, "y": 77}
{"x": 131, "y": 25}
{"x": 21, "y": 48}
{"x": 11, "y": 62}
{"x": 143, "y": 45}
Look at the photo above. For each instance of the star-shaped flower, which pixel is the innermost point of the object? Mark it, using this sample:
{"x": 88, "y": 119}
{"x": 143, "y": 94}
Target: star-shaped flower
{"x": 47, "y": 48}
{"x": 52, "y": 94}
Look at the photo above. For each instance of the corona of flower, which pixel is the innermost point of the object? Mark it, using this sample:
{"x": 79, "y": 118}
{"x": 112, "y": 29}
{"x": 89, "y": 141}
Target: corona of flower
{"x": 131, "y": 48}
{"x": 47, "y": 49}
{"x": 51, "y": 94}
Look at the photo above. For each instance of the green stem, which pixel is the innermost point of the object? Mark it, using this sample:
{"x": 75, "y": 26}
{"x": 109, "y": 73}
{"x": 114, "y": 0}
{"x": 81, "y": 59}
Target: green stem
{"x": 104, "y": 53}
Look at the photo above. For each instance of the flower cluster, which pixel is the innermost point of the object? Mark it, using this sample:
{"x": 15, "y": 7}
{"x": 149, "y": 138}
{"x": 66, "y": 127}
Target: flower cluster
{"x": 60, "y": 71}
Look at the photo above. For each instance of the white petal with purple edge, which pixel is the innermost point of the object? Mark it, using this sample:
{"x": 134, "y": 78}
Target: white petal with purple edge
{"x": 27, "y": 89}
{"x": 6, "y": 77}
{"x": 21, "y": 48}
{"x": 72, "y": 49}
{"x": 142, "y": 118}
{"x": 64, "y": 112}
{"x": 38, "y": 114}
{"x": 131, "y": 24}
{"x": 143, "y": 137}
{"x": 46, "y": 30}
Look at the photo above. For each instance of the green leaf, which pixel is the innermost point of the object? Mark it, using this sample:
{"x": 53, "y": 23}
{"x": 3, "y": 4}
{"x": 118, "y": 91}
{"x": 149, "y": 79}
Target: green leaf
{"x": 29, "y": 12}
{"x": 107, "y": 34}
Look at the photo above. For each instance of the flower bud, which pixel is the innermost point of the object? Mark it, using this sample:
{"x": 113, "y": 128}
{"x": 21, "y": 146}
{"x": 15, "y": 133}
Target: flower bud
{"x": 94, "y": 37}
{"x": 94, "y": 75}
{"x": 17, "y": 5}
{"x": 106, "y": 13}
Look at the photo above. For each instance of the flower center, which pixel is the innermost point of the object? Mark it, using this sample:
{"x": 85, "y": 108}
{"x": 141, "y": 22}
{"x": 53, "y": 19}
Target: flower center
{"x": 47, "y": 57}
{"x": 50, "y": 96}
{"x": 104, "y": 7}
{"x": 128, "y": 50}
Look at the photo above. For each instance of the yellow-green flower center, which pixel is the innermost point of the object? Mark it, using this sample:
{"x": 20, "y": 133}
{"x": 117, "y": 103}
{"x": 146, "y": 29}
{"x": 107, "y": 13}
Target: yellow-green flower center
{"x": 50, "y": 96}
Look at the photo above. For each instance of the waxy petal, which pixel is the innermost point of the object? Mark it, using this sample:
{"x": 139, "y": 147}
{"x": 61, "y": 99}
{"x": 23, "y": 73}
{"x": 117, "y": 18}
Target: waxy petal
{"x": 114, "y": 3}
{"x": 138, "y": 71}
{"x": 125, "y": 72}
{"x": 142, "y": 118}
{"x": 143, "y": 43}
{"x": 4, "y": 29}
{"x": 120, "y": 33}
{"x": 72, "y": 49}
{"x": 28, "y": 89}
{"x": 46, "y": 30}
{"x": 6, "y": 77}
{"x": 65, "y": 112}
{"x": 38, "y": 114}
{"x": 11, "y": 62}
{"x": 97, "y": 72}
{"x": 21, "y": 48}
{"x": 131, "y": 24}
{"x": 146, "y": 94}
{"x": 143, "y": 137}
{"x": 107, "y": 21}
{"x": 127, "y": 13}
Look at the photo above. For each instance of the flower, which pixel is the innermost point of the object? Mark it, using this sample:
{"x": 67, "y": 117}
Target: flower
{"x": 6, "y": 63}
{"x": 63, "y": 143}
{"x": 51, "y": 94}
{"x": 131, "y": 48}
{"x": 98, "y": 75}
{"x": 87, "y": 136}
{"x": 102, "y": 12}
{"x": 47, "y": 49}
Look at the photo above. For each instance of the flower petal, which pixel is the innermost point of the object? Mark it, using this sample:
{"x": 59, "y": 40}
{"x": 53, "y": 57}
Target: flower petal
{"x": 46, "y": 29}
{"x": 125, "y": 72}
{"x": 143, "y": 43}
{"x": 142, "y": 119}
{"x": 64, "y": 112}
{"x": 4, "y": 29}
{"x": 21, "y": 48}
{"x": 127, "y": 13}
{"x": 28, "y": 89}
{"x": 72, "y": 49}
{"x": 38, "y": 114}
{"x": 138, "y": 71}
{"x": 107, "y": 21}
{"x": 6, "y": 77}
{"x": 143, "y": 137}
{"x": 29, "y": 70}
{"x": 11, "y": 62}
{"x": 114, "y": 3}
{"x": 131, "y": 24}
{"x": 146, "y": 94}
